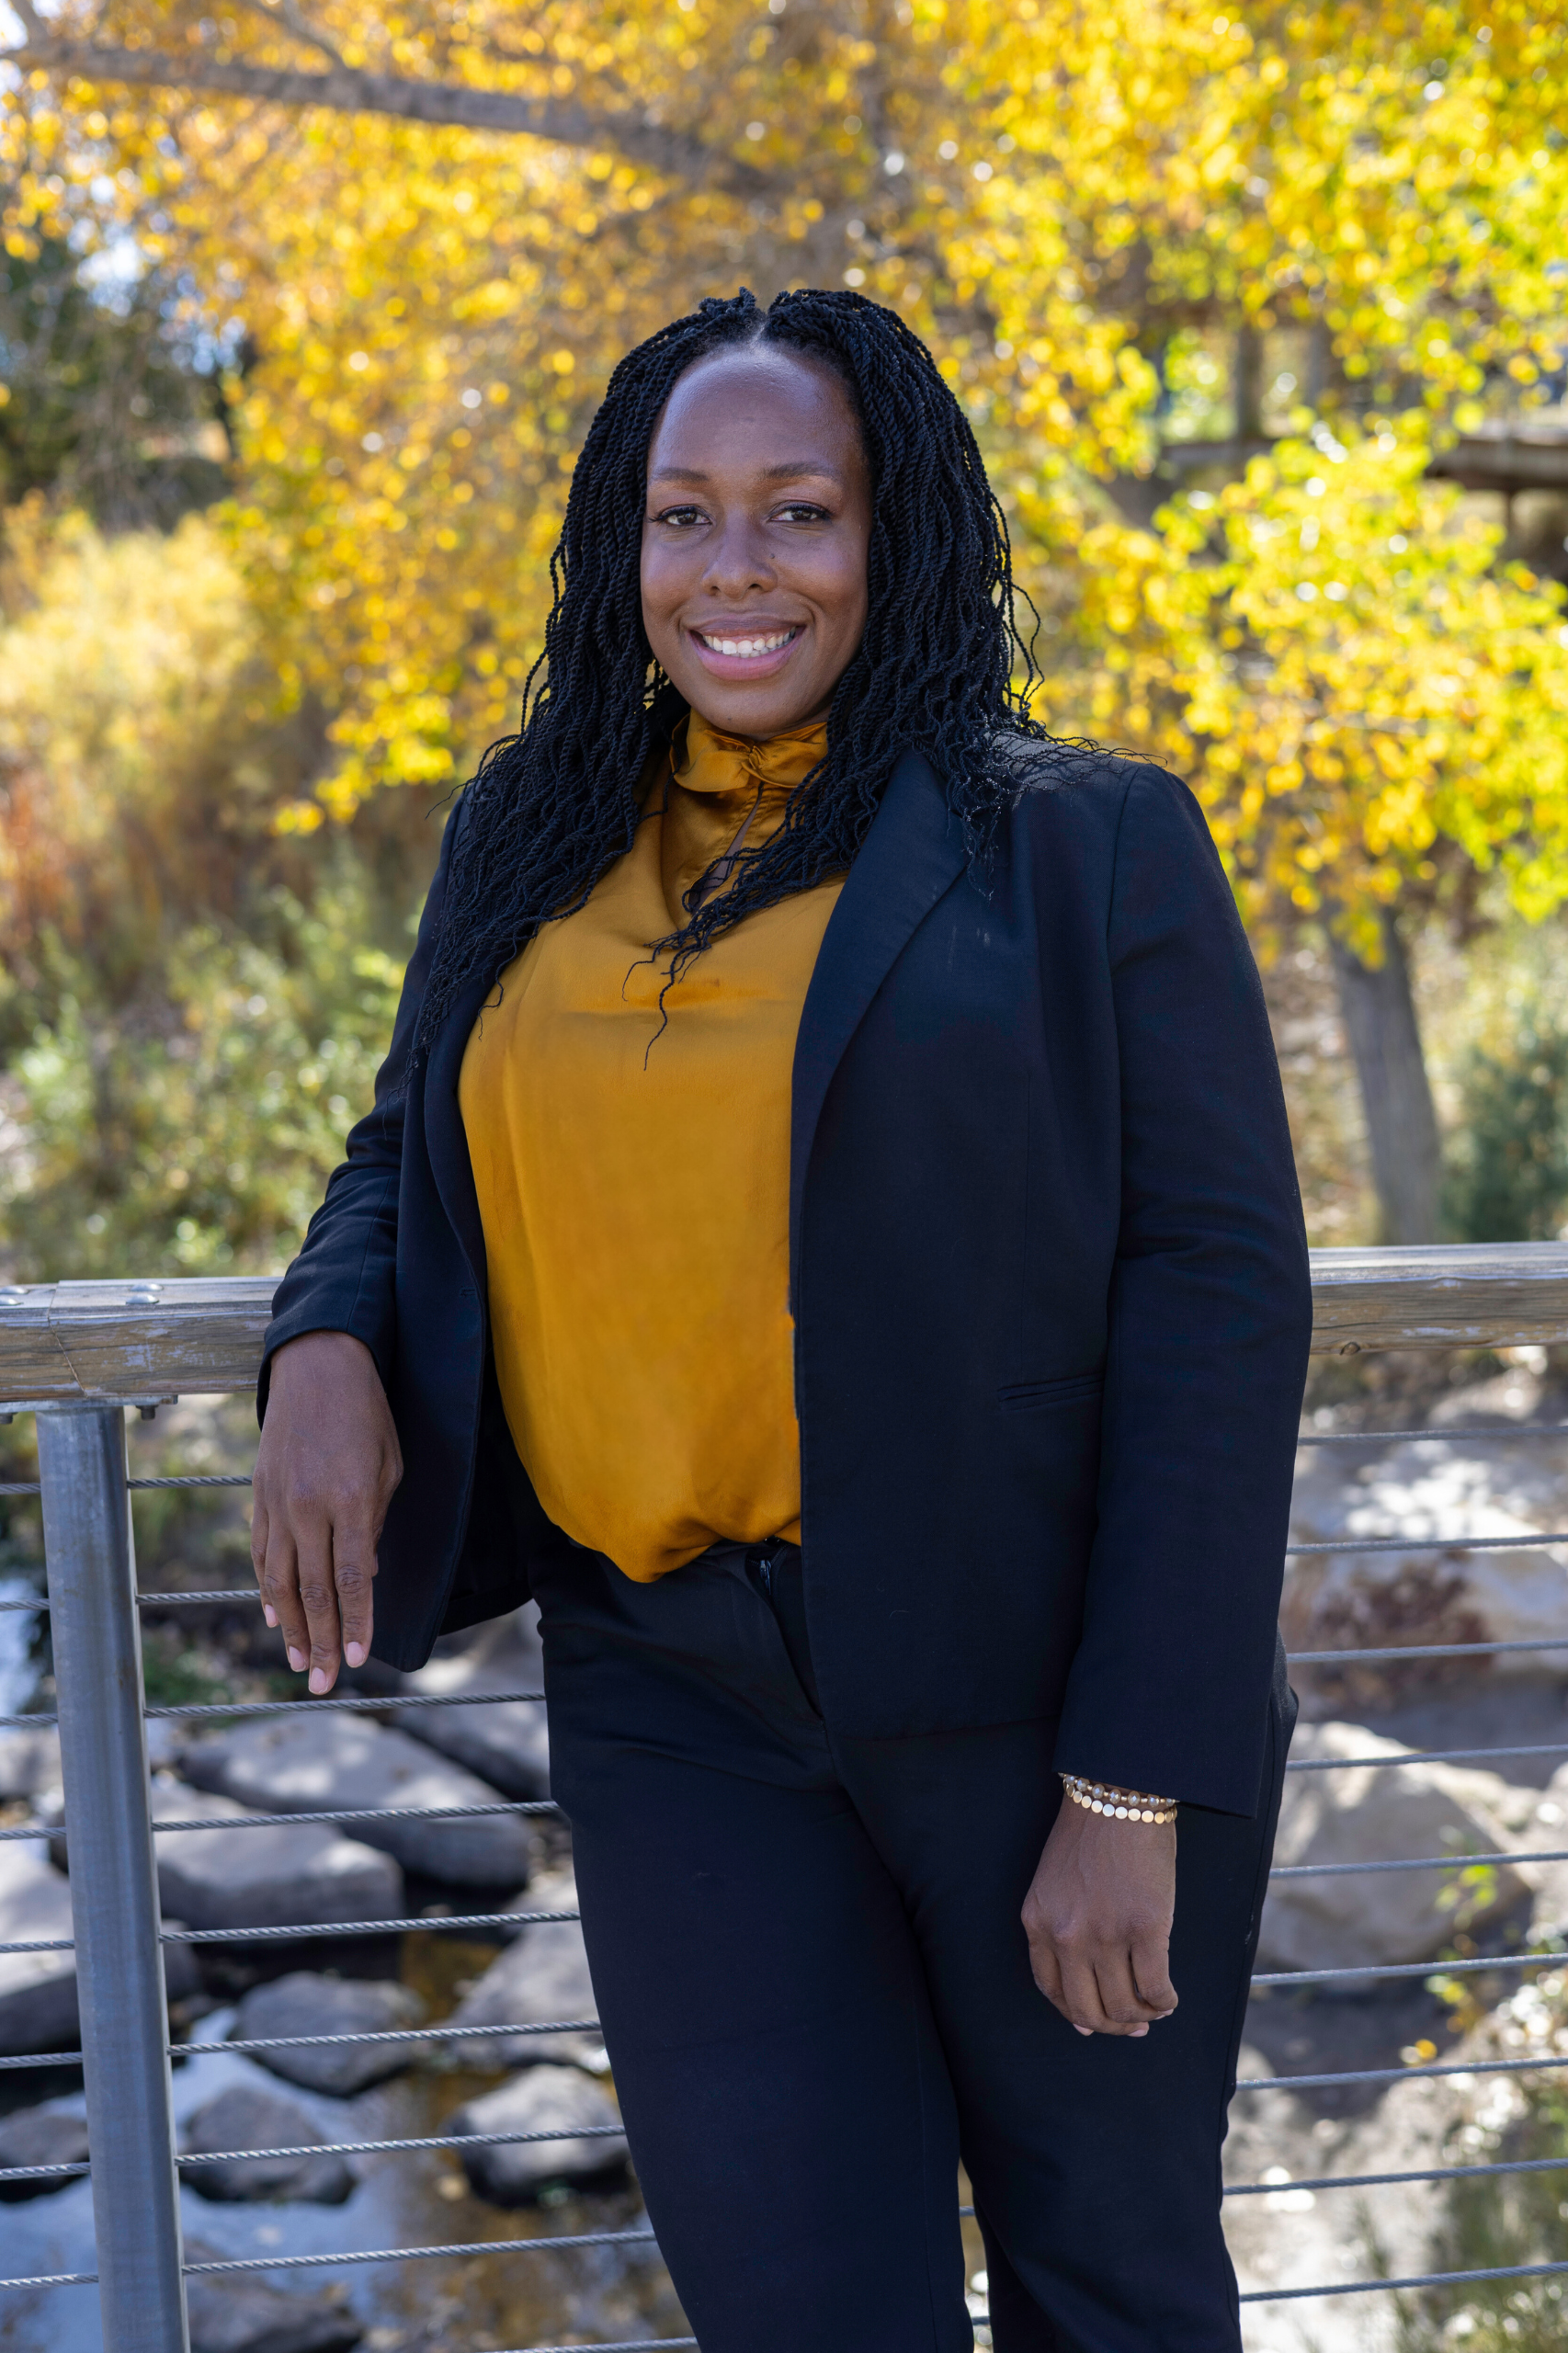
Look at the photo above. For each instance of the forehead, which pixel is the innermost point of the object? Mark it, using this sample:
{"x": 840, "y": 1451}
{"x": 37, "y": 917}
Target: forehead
{"x": 755, "y": 406}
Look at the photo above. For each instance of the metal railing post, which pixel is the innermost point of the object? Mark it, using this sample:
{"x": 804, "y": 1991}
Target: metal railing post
{"x": 90, "y": 1563}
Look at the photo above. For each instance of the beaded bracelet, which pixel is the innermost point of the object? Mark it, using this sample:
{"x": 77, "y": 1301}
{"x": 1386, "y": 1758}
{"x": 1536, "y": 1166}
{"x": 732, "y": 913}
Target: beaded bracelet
{"x": 1125, "y": 1805}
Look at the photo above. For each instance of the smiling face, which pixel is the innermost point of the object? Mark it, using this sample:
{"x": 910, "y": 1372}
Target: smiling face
{"x": 755, "y": 540}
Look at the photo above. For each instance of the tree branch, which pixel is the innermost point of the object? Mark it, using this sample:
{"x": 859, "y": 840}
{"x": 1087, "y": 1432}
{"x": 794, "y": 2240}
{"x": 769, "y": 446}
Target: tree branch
{"x": 352, "y": 90}
{"x": 284, "y": 13}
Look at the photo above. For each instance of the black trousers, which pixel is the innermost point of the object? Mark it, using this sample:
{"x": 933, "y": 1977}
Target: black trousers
{"x": 816, "y": 1996}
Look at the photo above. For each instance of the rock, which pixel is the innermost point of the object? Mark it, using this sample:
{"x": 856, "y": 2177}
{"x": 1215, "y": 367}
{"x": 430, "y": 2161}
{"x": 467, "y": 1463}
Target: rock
{"x": 40, "y": 2136}
{"x": 306, "y": 2003}
{"x": 38, "y": 1990}
{"x": 541, "y": 2099}
{"x": 554, "y": 1890}
{"x": 1292, "y": 2238}
{"x": 168, "y": 1738}
{"x": 264, "y": 1878}
{"x": 543, "y": 1976}
{"x": 181, "y": 1976}
{"x": 30, "y": 1763}
{"x": 1547, "y": 1826}
{"x": 302, "y": 1763}
{"x": 1513, "y": 1485}
{"x": 246, "y": 2117}
{"x": 240, "y": 2313}
{"x": 48, "y": 1813}
{"x": 1371, "y": 1814}
{"x": 507, "y": 1744}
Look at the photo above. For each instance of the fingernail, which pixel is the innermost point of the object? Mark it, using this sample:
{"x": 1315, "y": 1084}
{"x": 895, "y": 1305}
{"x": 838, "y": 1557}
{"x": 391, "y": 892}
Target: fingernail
{"x": 1137, "y": 2033}
{"x": 318, "y": 1680}
{"x": 355, "y": 1654}
{"x": 270, "y": 1614}
{"x": 297, "y": 1661}
{"x": 1083, "y": 2029}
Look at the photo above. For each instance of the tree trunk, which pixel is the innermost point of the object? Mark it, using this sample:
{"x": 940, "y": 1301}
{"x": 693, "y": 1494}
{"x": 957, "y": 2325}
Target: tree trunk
{"x": 1246, "y": 390}
{"x": 1401, "y": 1125}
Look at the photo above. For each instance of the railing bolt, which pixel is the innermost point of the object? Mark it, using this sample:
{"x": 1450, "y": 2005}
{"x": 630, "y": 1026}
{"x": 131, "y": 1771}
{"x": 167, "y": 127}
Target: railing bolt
{"x": 91, "y": 1568}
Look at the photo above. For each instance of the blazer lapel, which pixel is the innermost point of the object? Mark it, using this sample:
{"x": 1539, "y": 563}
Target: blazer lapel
{"x": 444, "y": 1138}
{"x": 913, "y": 853}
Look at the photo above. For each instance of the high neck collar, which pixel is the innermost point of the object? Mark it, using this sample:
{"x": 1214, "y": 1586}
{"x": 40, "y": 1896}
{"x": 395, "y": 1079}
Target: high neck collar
{"x": 705, "y": 760}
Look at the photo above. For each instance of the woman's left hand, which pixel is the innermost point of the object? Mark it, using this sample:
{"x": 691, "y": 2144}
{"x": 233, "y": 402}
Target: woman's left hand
{"x": 1099, "y": 1917}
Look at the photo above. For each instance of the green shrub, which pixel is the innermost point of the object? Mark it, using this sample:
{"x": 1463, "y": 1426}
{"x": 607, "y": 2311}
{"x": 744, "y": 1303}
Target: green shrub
{"x": 1507, "y": 1176}
{"x": 193, "y": 1132}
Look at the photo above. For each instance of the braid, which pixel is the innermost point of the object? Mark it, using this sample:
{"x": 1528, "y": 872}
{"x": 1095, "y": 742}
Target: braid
{"x": 551, "y": 807}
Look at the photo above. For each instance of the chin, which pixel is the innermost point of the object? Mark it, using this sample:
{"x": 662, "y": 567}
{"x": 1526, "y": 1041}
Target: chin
{"x": 736, "y": 712}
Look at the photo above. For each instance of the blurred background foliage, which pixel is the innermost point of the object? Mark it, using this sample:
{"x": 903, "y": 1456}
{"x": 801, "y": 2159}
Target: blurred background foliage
{"x": 1259, "y": 317}
{"x": 1508, "y": 1178}
{"x": 191, "y": 1004}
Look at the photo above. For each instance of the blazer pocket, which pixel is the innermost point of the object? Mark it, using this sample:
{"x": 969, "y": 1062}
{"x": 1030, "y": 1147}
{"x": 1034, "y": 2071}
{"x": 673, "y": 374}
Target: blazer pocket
{"x": 1028, "y": 1396}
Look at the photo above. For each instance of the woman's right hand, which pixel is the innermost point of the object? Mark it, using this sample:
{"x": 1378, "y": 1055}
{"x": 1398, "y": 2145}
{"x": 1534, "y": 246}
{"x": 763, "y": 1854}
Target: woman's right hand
{"x": 328, "y": 1468}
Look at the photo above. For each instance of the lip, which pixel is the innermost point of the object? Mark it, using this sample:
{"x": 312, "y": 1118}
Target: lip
{"x": 745, "y": 665}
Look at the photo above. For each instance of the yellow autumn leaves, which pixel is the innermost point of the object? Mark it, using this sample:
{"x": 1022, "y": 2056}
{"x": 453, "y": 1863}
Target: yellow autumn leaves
{"x": 1329, "y": 651}
{"x": 1056, "y": 196}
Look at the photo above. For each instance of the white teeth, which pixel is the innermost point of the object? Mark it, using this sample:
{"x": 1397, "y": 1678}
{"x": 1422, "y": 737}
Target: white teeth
{"x": 747, "y": 649}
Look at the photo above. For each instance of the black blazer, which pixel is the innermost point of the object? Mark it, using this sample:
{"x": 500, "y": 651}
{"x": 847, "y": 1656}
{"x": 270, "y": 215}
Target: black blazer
{"x": 1049, "y": 1278}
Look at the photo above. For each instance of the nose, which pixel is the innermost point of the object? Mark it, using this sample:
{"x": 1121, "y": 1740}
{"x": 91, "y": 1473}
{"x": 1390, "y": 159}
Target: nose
{"x": 738, "y": 559}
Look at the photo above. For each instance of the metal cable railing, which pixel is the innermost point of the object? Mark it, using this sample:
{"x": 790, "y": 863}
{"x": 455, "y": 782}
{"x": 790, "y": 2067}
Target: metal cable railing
{"x": 614, "y": 2132}
{"x": 1493, "y": 1433}
{"x": 116, "y": 2272}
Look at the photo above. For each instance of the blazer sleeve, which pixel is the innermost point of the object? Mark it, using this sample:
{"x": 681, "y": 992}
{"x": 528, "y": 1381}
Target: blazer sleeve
{"x": 1209, "y": 1324}
{"x": 343, "y": 1278}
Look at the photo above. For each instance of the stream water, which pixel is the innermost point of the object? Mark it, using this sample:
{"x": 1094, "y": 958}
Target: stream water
{"x": 520, "y": 2295}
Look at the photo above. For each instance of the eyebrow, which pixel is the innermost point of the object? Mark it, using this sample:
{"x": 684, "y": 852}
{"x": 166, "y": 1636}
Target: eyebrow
{"x": 786, "y": 470}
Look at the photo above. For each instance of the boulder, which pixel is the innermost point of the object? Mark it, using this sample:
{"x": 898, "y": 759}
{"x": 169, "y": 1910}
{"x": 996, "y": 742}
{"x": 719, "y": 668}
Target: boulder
{"x": 40, "y": 2136}
{"x": 1291, "y": 2238}
{"x": 30, "y": 1763}
{"x": 181, "y": 1976}
{"x": 38, "y": 1990}
{"x": 507, "y": 1744}
{"x": 542, "y": 1977}
{"x": 1446, "y": 1489}
{"x": 168, "y": 1737}
{"x": 1547, "y": 1827}
{"x": 265, "y": 1879}
{"x": 556, "y": 2100}
{"x": 240, "y": 2313}
{"x": 308, "y": 2003}
{"x": 247, "y": 2117}
{"x": 1371, "y": 1814}
{"x": 300, "y": 1764}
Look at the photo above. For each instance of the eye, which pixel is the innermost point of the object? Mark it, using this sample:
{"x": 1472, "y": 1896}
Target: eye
{"x": 680, "y": 518}
{"x": 803, "y": 510}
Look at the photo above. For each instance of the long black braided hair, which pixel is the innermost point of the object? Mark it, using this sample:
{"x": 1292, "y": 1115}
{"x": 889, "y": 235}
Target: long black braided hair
{"x": 551, "y": 808}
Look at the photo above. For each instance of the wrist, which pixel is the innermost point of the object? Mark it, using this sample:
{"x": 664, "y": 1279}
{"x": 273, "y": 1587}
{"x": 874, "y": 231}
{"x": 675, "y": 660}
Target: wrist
{"x": 1118, "y": 1805}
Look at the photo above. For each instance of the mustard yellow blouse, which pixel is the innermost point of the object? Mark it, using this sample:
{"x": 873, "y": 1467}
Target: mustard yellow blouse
{"x": 633, "y": 1182}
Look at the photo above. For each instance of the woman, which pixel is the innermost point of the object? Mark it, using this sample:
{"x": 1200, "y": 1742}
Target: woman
{"x": 828, "y": 1230}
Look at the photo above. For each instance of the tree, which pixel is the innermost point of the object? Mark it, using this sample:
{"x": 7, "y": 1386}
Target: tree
{"x": 105, "y": 407}
{"x": 440, "y": 225}
{"x": 1371, "y": 710}
{"x": 190, "y": 1008}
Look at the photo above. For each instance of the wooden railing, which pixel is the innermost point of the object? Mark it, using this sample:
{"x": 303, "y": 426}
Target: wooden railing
{"x": 145, "y": 1341}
